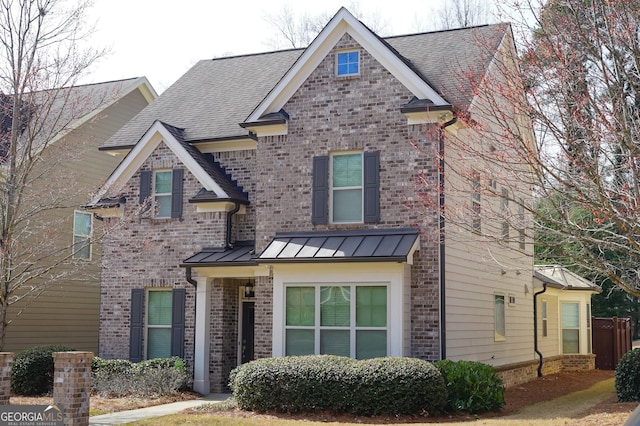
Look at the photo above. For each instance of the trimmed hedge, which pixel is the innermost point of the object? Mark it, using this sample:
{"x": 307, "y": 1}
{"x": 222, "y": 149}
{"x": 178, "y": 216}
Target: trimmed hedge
{"x": 326, "y": 382}
{"x": 32, "y": 371}
{"x": 627, "y": 380}
{"x": 151, "y": 378}
{"x": 472, "y": 387}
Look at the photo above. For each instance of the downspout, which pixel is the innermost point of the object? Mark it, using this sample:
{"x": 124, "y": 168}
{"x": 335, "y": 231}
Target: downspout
{"x": 230, "y": 213}
{"x": 535, "y": 326}
{"x": 193, "y": 282}
{"x": 441, "y": 205}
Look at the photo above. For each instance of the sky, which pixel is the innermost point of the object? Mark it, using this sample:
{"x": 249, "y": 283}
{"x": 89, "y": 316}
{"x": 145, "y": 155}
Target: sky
{"x": 162, "y": 39}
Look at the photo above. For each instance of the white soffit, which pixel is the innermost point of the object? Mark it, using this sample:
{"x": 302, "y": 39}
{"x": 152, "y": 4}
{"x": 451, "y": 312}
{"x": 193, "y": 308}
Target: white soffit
{"x": 342, "y": 23}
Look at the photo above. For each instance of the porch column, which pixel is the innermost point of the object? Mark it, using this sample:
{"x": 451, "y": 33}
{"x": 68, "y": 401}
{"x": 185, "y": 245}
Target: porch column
{"x": 201, "y": 382}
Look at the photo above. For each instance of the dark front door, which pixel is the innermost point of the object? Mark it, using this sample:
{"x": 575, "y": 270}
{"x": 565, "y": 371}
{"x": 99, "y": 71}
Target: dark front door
{"x": 247, "y": 331}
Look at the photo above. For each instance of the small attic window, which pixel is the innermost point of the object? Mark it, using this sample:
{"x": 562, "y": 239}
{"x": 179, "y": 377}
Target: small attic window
{"x": 348, "y": 63}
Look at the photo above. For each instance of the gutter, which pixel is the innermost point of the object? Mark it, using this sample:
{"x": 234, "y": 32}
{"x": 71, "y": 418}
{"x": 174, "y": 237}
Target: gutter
{"x": 441, "y": 223}
{"x": 229, "y": 214}
{"x": 535, "y": 326}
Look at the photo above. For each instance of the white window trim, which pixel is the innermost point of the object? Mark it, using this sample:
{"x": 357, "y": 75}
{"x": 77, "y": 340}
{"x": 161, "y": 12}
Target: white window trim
{"x": 73, "y": 238}
{"x": 353, "y": 328}
{"x": 343, "y": 188}
{"x": 155, "y": 195}
{"x": 146, "y": 317}
{"x": 359, "y": 63}
{"x": 394, "y": 275}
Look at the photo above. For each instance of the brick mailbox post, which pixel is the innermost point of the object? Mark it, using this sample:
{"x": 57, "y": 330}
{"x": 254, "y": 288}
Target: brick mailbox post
{"x": 71, "y": 386}
{"x": 6, "y": 362}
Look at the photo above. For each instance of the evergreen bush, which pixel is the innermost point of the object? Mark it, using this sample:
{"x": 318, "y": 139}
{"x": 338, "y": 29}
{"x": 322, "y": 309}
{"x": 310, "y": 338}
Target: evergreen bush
{"x": 32, "y": 371}
{"x": 472, "y": 387}
{"x": 627, "y": 381}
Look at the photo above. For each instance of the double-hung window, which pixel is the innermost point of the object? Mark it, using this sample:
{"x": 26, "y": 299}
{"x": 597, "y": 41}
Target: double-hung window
{"x": 570, "y": 327}
{"x": 82, "y": 227}
{"x": 346, "y": 188}
{"x": 348, "y": 63}
{"x": 346, "y": 320}
{"x": 159, "y": 310}
{"x": 162, "y": 189}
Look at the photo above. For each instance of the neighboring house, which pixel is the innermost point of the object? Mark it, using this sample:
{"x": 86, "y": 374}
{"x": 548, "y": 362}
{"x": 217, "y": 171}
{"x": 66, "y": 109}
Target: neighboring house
{"x": 280, "y": 215}
{"x": 67, "y": 307}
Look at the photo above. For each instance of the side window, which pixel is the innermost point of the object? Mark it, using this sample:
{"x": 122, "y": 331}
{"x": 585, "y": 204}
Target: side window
{"x": 499, "y": 317}
{"x": 346, "y": 188}
{"x": 164, "y": 188}
{"x": 348, "y": 63}
{"x": 505, "y": 214}
{"x": 476, "y": 223}
{"x": 82, "y": 227}
{"x": 545, "y": 321}
{"x": 570, "y": 328}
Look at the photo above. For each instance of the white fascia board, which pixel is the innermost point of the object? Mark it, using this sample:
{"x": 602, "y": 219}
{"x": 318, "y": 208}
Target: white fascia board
{"x": 156, "y": 134}
{"x": 343, "y": 22}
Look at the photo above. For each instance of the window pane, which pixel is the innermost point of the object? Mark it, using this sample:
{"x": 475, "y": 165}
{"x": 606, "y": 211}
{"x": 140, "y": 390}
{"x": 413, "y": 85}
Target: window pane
{"x": 570, "y": 315}
{"x": 347, "y": 205}
{"x": 300, "y": 306}
{"x": 499, "y": 317}
{"x": 82, "y": 223}
{"x": 335, "y": 306}
{"x": 163, "y": 182}
{"x": 159, "y": 343}
{"x": 159, "y": 308}
{"x": 335, "y": 342}
{"x": 300, "y": 342}
{"x": 571, "y": 341}
{"x": 81, "y": 248}
{"x": 164, "y": 206}
{"x": 371, "y": 344}
{"x": 347, "y": 170}
{"x": 371, "y": 306}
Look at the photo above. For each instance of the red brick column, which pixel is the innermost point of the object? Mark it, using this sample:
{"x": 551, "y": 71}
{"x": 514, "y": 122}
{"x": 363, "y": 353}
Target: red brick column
{"x": 71, "y": 385}
{"x": 6, "y": 362}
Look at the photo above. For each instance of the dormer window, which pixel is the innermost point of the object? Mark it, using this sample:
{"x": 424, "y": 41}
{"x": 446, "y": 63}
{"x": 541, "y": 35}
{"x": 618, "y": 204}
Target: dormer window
{"x": 348, "y": 63}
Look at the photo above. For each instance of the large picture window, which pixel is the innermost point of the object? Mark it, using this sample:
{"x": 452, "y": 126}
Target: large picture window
{"x": 346, "y": 320}
{"x": 82, "y": 227}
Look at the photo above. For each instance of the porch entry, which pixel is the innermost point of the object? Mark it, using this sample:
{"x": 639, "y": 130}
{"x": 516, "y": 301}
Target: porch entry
{"x": 246, "y": 322}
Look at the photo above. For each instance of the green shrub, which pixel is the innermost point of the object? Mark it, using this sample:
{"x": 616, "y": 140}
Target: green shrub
{"x": 326, "y": 382}
{"x": 627, "y": 380}
{"x": 473, "y": 387}
{"x": 151, "y": 378}
{"x": 32, "y": 371}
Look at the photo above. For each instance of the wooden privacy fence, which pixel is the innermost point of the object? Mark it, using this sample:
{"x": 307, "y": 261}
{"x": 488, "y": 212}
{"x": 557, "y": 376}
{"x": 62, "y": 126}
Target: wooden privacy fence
{"x": 612, "y": 338}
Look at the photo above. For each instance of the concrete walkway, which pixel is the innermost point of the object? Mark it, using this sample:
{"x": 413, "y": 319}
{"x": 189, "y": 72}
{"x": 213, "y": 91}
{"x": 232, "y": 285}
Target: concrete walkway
{"x": 156, "y": 411}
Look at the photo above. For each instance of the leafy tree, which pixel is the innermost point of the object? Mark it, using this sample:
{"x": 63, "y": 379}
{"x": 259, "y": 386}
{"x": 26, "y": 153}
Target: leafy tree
{"x": 579, "y": 65}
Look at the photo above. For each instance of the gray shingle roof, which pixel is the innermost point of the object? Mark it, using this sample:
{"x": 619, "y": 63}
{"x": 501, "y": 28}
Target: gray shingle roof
{"x": 214, "y": 96}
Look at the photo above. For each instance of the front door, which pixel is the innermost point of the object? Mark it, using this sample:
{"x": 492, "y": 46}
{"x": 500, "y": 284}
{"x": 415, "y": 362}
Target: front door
{"x": 246, "y": 337}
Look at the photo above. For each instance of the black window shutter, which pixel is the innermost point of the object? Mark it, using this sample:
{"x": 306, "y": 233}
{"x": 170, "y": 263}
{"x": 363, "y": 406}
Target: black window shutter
{"x": 320, "y": 190}
{"x": 177, "y": 322}
{"x": 372, "y": 187}
{"x": 176, "y": 193}
{"x": 136, "y": 326}
{"x": 145, "y": 185}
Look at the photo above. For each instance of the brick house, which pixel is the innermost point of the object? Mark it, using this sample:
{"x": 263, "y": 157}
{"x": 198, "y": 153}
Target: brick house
{"x": 284, "y": 214}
